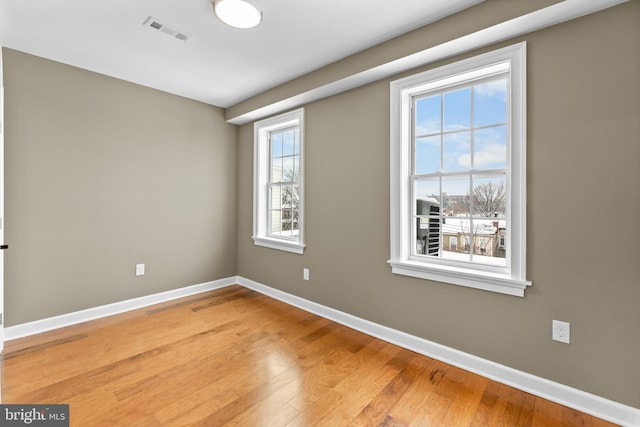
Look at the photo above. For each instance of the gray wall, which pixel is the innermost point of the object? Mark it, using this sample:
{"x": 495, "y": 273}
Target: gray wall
{"x": 102, "y": 174}
{"x": 583, "y": 229}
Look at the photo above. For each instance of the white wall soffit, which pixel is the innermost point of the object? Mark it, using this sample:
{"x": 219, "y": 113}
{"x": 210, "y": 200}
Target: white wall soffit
{"x": 534, "y": 21}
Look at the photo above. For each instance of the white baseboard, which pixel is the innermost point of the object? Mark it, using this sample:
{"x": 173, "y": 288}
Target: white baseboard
{"x": 577, "y": 399}
{"x": 43, "y": 325}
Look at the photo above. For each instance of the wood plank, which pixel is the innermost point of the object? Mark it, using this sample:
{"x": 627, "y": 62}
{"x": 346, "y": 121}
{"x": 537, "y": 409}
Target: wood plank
{"x": 505, "y": 404}
{"x": 234, "y": 357}
{"x": 359, "y": 388}
{"x": 9, "y": 354}
{"x": 378, "y": 409}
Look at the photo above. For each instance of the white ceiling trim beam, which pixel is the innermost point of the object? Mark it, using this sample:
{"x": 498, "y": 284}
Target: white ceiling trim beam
{"x": 534, "y": 21}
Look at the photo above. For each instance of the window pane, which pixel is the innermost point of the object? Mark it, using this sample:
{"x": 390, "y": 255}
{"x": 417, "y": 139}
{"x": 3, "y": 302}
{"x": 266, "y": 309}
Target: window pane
{"x": 287, "y": 219}
{"x": 288, "y": 139}
{"x": 428, "y": 115}
{"x": 294, "y": 219}
{"x": 276, "y": 169}
{"x": 427, "y": 219}
{"x": 284, "y": 205}
{"x": 286, "y": 225}
{"x": 275, "y": 221}
{"x": 287, "y": 169}
{"x": 457, "y": 152}
{"x": 490, "y": 103}
{"x": 488, "y": 241}
{"x": 276, "y": 144}
{"x": 275, "y": 197}
{"x": 457, "y": 110}
{"x": 427, "y": 189}
{"x": 489, "y": 198}
{"x": 455, "y": 196}
{"x": 427, "y": 154}
{"x": 456, "y": 238}
{"x": 490, "y": 148}
{"x": 289, "y": 196}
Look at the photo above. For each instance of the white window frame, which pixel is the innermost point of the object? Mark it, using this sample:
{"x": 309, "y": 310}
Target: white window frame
{"x": 510, "y": 280}
{"x": 261, "y": 167}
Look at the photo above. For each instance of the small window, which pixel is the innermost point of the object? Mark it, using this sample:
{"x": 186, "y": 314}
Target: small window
{"x": 278, "y": 220}
{"x": 458, "y": 169}
{"x": 453, "y": 243}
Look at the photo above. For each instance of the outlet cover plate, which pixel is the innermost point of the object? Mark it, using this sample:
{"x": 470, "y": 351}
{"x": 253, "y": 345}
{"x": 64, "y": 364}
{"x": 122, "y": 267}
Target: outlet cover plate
{"x": 139, "y": 269}
{"x": 561, "y": 331}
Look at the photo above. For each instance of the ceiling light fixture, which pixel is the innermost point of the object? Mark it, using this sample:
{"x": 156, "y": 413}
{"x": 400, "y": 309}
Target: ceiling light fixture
{"x": 238, "y": 13}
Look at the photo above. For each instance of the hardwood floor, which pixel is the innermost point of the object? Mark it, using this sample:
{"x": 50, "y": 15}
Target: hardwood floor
{"x": 235, "y": 357}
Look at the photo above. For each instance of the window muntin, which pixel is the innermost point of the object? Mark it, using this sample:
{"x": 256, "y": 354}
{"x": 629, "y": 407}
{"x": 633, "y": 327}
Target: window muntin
{"x": 458, "y": 173}
{"x": 278, "y": 192}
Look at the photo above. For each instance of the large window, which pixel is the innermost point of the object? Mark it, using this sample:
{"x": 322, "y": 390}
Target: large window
{"x": 278, "y": 220}
{"x": 458, "y": 173}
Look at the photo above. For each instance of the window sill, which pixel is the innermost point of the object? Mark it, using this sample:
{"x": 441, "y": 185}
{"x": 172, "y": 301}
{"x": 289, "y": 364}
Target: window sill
{"x": 473, "y": 279}
{"x": 282, "y": 245}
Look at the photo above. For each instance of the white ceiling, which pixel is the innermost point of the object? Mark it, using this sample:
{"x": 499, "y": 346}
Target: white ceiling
{"x": 219, "y": 65}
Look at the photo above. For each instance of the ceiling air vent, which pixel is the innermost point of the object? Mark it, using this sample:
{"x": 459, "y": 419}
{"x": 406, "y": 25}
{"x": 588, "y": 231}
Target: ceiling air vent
{"x": 155, "y": 24}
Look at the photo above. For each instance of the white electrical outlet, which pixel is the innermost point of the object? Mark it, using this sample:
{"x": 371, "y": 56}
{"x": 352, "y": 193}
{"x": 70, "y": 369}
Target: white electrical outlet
{"x": 139, "y": 269}
{"x": 305, "y": 274}
{"x": 561, "y": 331}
